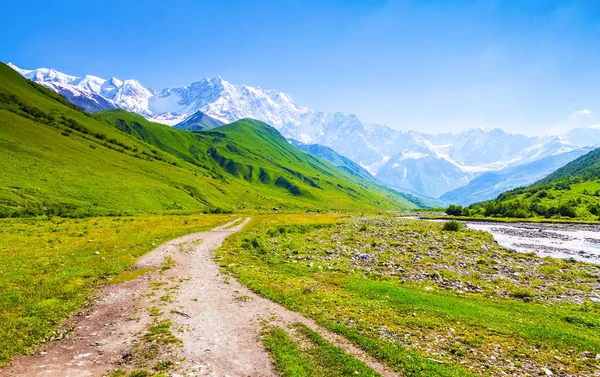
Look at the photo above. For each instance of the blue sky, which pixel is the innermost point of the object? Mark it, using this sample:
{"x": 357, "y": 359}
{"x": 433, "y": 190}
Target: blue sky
{"x": 527, "y": 66}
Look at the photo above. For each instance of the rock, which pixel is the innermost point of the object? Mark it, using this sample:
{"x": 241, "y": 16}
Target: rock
{"x": 598, "y": 356}
{"x": 363, "y": 256}
{"x": 547, "y": 371}
{"x": 275, "y": 209}
{"x": 595, "y": 300}
{"x": 97, "y": 252}
{"x": 81, "y": 356}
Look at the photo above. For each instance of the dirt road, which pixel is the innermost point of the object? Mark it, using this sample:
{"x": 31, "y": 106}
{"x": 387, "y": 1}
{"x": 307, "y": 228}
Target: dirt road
{"x": 185, "y": 315}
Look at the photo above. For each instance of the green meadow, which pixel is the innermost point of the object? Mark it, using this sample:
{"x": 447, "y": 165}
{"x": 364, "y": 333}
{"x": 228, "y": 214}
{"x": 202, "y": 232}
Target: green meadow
{"x": 49, "y": 268}
{"x": 424, "y": 301}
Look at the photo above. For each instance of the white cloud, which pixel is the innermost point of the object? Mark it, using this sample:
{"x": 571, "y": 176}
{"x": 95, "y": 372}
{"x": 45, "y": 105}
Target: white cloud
{"x": 580, "y": 113}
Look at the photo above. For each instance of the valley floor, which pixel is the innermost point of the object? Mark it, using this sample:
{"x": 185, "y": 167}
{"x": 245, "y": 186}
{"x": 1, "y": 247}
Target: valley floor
{"x": 183, "y": 317}
{"x": 318, "y": 295}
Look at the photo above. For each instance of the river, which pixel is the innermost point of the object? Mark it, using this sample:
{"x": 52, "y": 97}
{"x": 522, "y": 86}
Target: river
{"x": 577, "y": 241}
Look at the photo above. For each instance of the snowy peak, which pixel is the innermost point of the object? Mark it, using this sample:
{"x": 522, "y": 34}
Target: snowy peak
{"x": 44, "y": 75}
{"x": 91, "y": 92}
{"x": 228, "y": 102}
{"x": 132, "y": 96}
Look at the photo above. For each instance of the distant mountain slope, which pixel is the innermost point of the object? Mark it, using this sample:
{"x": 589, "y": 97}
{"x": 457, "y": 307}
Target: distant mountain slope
{"x": 199, "y": 122}
{"x": 335, "y": 158}
{"x": 572, "y": 191}
{"x": 489, "y": 185}
{"x": 59, "y": 160}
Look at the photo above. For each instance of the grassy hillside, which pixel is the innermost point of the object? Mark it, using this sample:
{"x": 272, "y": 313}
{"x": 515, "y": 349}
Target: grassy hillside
{"x": 257, "y": 154}
{"x": 58, "y": 160}
{"x": 572, "y": 191}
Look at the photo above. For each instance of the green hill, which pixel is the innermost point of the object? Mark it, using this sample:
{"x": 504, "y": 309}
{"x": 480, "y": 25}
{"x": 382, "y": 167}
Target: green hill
{"x": 59, "y": 160}
{"x": 572, "y": 191}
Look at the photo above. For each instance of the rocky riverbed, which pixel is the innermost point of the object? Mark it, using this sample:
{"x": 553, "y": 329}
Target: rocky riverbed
{"x": 577, "y": 241}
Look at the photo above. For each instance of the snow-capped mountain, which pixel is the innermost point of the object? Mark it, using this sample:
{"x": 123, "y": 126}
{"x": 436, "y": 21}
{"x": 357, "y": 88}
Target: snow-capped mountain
{"x": 93, "y": 93}
{"x": 427, "y": 165}
{"x": 422, "y": 170}
{"x": 227, "y": 102}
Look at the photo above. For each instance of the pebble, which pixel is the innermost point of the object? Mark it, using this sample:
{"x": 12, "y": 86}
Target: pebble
{"x": 81, "y": 356}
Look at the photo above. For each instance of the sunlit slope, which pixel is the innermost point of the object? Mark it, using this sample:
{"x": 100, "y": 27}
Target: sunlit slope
{"x": 257, "y": 154}
{"x": 56, "y": 159}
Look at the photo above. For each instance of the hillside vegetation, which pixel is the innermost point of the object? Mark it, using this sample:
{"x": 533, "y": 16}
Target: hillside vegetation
{"x": 59, "y": 160}
{"x": 572, "y": 191}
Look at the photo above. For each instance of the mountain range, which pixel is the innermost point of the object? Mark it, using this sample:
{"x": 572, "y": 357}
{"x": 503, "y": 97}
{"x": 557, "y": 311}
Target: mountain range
{"x": 442, "y": 166}
{"x": 60, "y": 160}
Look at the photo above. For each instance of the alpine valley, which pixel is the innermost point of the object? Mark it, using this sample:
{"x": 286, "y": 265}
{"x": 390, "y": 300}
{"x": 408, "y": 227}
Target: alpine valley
{"x": 460, "y": 168}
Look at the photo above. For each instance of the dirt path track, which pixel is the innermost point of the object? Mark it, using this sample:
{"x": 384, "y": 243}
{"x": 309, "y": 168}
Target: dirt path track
{"x": 220, "y": 320}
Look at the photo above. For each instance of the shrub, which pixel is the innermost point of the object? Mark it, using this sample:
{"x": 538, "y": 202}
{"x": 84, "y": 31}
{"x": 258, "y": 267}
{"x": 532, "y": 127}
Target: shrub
{"x": 454, "y": 210}
{"x": 524, "y": 294}
{"x": 452, "y": 226}
{"x": 217, "y": 210}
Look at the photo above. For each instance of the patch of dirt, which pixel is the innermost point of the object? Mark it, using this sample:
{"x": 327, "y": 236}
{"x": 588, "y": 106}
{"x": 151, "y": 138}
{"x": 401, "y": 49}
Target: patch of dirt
{"x": 218, "y": 320}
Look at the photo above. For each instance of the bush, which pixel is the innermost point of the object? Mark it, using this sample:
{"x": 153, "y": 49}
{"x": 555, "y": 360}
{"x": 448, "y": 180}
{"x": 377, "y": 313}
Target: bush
{"x": 524, "y": 294}
{"x": 454, "y": 210}
{"x": 452, "y": 226}
{"x": 217, "y": 210}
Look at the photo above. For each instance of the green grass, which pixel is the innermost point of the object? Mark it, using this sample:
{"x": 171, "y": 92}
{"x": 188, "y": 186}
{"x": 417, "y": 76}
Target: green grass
{"x": 58, "y": 160}
{"x": 310, "y": 355}
{"x": 126, "y": 276}
{"x": 49, "y": 267}
{"x": 399, "y": 303}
